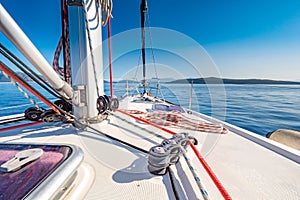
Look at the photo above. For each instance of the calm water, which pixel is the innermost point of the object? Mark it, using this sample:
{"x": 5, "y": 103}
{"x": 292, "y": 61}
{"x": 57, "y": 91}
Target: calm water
{"x": 258, "y": 108}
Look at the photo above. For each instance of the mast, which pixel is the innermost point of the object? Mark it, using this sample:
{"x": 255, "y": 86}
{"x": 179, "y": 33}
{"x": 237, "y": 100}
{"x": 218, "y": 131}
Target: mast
{"x": 86, "y": 57}
{"x": 143, "y": 11}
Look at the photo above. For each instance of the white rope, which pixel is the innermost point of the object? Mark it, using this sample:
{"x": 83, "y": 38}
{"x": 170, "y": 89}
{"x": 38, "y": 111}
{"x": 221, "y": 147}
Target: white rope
{"x": 196, "y": 176}
{"x": 106, "y": 8}
{"x": 21, "y": 90}
{"x": 187, "y": 159}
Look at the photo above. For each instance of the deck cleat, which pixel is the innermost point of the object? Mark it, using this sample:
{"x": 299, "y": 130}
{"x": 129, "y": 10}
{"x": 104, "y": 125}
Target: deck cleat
{"x": 20, "y": 159}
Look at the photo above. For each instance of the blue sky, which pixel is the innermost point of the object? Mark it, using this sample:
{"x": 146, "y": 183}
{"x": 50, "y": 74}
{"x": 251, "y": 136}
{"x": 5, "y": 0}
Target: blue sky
{"x": 245, "y": 39}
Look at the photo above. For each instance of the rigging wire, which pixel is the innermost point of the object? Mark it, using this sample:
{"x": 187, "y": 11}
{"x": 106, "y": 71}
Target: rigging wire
{"x": 138, "y": 64}
{"x": 172, "y": 180}
{"x": 106, "y": 9}
{"x": 29, "y": 72}
{"x": 21, "y": 81}
{"x": 21, "y": 90}
{"x": 147, "y": 22}
{"x": 12, "y": 120}
{"x": 151, "y": 44}
{"x": 35, "y": 77}
{"x": 114, "y": 138}
{"x": 153, "y": 57}
{"x": 19, "y": 126}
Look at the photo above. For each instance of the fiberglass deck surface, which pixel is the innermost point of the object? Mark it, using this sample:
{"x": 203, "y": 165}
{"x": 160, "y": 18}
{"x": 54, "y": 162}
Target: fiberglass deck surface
{"x": 246, "y": 169}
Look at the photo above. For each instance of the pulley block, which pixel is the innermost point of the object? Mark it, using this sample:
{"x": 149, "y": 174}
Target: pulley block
{"x": 33, "y": 114}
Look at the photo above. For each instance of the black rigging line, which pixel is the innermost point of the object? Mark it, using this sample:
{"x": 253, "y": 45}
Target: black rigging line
{"x": 14, "y": 120}
{"x": 24, "y": 82}
{"x": 34, "y": 76}
{"x": 37, "y": 92}
{"x": 173, "y": 183}
{"x": 116, "y": 139}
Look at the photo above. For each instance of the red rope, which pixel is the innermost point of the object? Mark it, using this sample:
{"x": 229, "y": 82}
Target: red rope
{"x": 146, "y": 122}
{"x": 110, "y": 58}
{"x": 210, "y": 172}
{"x": 64, "y": 43}
{"x": 9, "y": 73}
{"x": 19, "y": 126}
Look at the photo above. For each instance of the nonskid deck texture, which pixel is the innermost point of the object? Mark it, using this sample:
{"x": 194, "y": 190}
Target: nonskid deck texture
{"x": 117, "y": 171}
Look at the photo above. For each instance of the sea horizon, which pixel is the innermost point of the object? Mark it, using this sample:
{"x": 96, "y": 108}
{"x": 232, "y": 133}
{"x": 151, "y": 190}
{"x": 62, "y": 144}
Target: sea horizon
{"x": 257, "y": 108}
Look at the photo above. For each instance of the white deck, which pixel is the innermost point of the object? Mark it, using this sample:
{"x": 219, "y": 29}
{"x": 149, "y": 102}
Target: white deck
{"x": 115, "y": 171}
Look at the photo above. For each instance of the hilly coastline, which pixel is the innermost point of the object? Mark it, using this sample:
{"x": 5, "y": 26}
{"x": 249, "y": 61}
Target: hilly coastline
{"x": 214, "y": 80}
{"x": 22, "y": 75}
{"x": 209, "y": 80}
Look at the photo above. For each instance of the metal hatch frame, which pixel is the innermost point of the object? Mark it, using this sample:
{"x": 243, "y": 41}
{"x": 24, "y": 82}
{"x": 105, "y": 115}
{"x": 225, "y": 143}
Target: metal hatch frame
{"x": 52, "y": 184}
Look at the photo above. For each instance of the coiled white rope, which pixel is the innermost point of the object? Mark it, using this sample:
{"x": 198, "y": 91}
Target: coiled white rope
{"x": 106, "y": 8}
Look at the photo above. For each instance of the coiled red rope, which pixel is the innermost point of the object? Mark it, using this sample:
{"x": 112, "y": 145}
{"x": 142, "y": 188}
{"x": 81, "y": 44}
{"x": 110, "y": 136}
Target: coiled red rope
{"x": 63, "y": 44}
{"x": 210, "y": 172}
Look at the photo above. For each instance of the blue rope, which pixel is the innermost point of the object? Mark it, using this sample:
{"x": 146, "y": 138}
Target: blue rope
{"x": 187, "y": 159}
{"x": 196, "y": 177}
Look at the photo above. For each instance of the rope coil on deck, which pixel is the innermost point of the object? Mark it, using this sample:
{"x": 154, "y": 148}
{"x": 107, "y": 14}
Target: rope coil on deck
{"x": 178, "y": 120}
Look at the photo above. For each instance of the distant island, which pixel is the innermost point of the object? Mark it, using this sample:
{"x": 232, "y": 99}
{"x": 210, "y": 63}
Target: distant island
{"x": 214, "y": 80}
{"x": 22, "y": 75}
{"x": 209, "y": 80}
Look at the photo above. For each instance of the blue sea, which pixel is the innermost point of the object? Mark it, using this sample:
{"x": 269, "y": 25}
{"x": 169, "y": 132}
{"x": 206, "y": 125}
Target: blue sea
{"x": 257, "y": 108}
